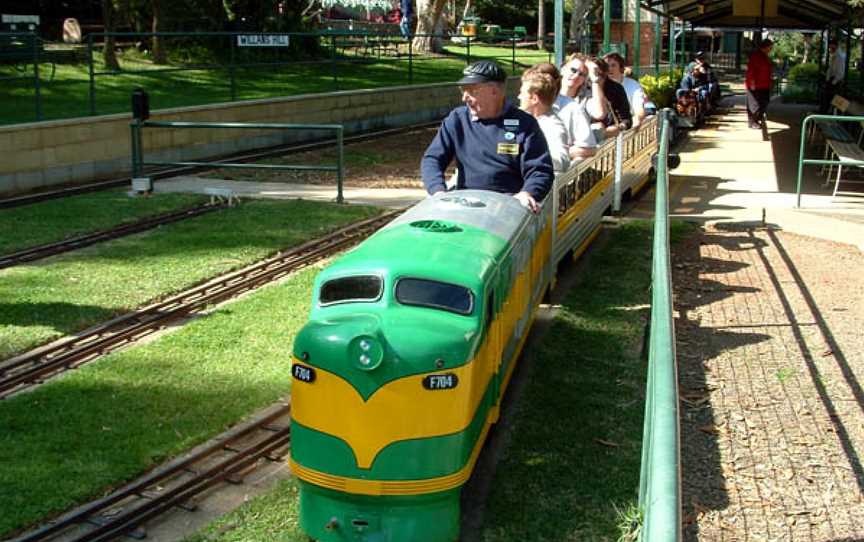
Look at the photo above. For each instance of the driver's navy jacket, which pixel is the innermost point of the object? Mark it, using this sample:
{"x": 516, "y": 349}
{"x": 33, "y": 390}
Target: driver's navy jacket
{"x": 506, "y": 154}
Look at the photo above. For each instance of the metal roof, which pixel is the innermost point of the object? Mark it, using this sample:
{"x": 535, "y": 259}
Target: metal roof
{"x": 814, "y": 14}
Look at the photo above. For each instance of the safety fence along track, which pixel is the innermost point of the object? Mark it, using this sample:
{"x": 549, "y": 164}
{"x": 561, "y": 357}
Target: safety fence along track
{"x": 227, "y": 458}
{"x": 74, "y": 243}
{"x": 246, "y": 156}
{"x": 32, "y": 367}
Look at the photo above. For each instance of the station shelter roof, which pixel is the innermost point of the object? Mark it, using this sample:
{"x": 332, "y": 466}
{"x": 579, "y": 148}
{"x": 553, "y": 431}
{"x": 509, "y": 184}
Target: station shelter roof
{"x": 797, "y": 14}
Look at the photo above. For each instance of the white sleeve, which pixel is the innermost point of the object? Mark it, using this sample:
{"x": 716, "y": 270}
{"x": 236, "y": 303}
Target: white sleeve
{"x": 575, "y": 120}
{"x": 556, "y": 138}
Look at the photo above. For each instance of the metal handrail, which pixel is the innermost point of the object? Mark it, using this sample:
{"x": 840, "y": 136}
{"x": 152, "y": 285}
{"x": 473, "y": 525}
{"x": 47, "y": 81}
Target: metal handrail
{"x": 806, "y": 161}
{"x": 660, "y": 477}
{"x": 138, "y": 161}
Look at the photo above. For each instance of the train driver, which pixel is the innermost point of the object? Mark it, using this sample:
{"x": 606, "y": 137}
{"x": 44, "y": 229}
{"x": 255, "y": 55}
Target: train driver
{"x": 496, "y": 146}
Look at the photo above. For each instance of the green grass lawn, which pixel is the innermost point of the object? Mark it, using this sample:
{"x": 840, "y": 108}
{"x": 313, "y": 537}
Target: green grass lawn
{"x": 563, "y": 477}
{"x": 77, "y": 436}
{"x": 50, "y": 298}
{"x": 58, "y": 219}
{"x": 68, "y": 94}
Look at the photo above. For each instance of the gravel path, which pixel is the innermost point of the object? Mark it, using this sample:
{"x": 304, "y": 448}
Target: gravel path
{"x": 771, "y": 371}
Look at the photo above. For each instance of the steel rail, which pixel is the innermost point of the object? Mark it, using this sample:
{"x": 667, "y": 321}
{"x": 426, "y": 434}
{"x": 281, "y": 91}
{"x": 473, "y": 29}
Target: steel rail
{"x": 32, "y": 367}
{"x": 50, "y": 249}
{"x": 268, "y": 152}
{"x": 228, "y": 455}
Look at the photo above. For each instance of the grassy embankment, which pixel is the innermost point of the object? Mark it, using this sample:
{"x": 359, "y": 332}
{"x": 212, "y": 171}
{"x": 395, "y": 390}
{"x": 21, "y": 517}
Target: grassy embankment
{"x": 573, "y": 461}
{"x": 55, "y": 220}
{"x": 57, "y": 296}
{"x": 68, "y": 94}
{"x": 75, "y": 437}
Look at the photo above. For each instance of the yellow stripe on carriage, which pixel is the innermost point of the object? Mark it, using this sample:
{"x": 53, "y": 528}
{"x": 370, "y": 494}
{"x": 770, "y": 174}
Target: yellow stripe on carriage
{"x": 578, "y": 208}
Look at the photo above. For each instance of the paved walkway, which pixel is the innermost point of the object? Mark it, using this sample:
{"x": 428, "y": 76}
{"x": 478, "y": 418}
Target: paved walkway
{"x": 730, "y": 173}
{"x": 384, "y": 197}
{"x": 770, "y": 352}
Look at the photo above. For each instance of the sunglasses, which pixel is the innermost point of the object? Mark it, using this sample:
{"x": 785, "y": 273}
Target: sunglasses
{"x": 576, "y": 71}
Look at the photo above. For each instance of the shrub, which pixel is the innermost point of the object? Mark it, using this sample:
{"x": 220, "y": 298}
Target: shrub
{"x": 661, "y": 89}
{"x": 799, "y": 94}
{"x": 803, "y": 74}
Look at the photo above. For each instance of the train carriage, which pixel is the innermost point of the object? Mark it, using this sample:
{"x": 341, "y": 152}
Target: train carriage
{"x": 411, "y": 342}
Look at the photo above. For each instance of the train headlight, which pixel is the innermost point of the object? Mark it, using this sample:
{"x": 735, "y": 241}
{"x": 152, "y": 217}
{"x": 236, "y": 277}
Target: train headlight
{"x": 366, "y": 352}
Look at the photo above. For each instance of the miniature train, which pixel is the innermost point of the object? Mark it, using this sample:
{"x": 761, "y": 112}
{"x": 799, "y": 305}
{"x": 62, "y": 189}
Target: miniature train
{"x": 413, "y": 337}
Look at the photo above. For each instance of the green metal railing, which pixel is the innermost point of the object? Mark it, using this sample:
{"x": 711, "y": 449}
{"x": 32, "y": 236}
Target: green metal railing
{"x": 808, "y": 161}
{"x": 138, "y": 161}
{"x": 219, "y": 66}
{"x": 23, "y": 48}
{"x": 660, "y": 477}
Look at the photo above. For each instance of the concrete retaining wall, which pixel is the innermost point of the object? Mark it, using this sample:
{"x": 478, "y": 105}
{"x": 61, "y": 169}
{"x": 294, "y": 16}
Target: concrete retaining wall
{"x": 40, "y": 155}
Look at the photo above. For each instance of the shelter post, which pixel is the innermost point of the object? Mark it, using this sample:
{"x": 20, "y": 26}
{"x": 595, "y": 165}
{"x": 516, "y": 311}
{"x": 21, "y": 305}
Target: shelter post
{"x": 559, "y": 32}
{"x": 637, "y": 39}
{"x": 738, "y": 37}
{"x": 607, "y": 24}
{"x": 658, "y": 43}
{"x": 671, "y": 26}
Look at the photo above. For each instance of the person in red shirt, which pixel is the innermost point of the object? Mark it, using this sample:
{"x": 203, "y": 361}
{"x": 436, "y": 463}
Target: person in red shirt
{"x": 758, "y": 83}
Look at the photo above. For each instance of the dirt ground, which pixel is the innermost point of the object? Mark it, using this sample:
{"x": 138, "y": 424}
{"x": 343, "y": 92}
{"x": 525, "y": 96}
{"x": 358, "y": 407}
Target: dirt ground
{"x": 771, "y": 364}
{"x": 388, "y": 162}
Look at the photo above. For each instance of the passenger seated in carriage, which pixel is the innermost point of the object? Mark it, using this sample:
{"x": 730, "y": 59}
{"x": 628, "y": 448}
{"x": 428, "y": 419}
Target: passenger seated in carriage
{"x": 713, "y": 83}
{"x": 694, "y": 93}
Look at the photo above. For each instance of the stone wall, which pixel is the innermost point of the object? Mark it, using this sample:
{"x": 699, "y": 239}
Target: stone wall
{"x": 40, "y": 155}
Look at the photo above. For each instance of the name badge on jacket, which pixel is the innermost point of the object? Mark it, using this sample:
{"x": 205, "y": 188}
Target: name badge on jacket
{"x": 508, "y": 148}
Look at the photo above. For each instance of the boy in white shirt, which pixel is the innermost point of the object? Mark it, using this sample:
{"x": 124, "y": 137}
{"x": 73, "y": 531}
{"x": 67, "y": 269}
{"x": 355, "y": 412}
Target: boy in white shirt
{"x": 536, "y": 97}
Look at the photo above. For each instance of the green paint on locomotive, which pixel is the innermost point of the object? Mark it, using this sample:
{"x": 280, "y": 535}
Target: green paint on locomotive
{"x": 468, "y": 258}
{"x": 331, "y": 516}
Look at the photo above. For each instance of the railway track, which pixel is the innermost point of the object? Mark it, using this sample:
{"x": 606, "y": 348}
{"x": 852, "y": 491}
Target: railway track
{"x": 224, "y": 459}
{"x": 269, "y": 152}
{"x": 50, "y": 249}
{"x": 33, "y": 367}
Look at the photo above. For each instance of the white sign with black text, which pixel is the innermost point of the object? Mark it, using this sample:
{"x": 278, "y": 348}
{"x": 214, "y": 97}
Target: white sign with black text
{"x": 262, "y": 40}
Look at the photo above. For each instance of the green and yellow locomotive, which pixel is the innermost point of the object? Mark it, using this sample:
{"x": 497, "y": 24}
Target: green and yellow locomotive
{"x": 398, "y": 375}
{"x": 411, "y": 342}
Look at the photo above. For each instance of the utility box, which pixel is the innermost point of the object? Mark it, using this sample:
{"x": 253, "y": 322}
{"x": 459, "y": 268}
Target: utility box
{"x": 142, "y": 184}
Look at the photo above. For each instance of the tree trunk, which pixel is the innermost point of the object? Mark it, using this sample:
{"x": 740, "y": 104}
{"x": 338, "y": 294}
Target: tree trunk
{"x": 109, "y": 54}
{"x": 428, "y": 16}
{"x": 160, "y": 55}
{"x": 541, "y": 23}
{"x": 467, "y": 11}
{"x": 577, "y": 18}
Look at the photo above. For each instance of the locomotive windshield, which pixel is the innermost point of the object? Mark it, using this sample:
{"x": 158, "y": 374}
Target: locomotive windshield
{"x": 434, "y": 294}
{"x": 345, "y": 289}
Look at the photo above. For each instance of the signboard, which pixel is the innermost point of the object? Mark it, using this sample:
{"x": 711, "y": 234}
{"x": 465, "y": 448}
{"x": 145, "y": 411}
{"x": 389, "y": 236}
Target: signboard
{"x": 20, "y": 18}
{"x": 262, "y": 40}
{"x": 20, "y": 23}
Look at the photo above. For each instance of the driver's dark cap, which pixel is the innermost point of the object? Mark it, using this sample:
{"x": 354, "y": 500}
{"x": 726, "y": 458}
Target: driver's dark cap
{"x": 483, "y": 71}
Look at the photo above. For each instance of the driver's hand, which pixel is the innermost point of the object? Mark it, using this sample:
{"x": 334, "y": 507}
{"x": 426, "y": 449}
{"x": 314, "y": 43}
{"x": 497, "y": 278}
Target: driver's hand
{"x": 527, "y": 201}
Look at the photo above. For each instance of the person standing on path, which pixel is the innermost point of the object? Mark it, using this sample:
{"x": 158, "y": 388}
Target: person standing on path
{"x": 405, "y": 25}
{"x": 834, "y": 77}
{"x": 758, "y": 83}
